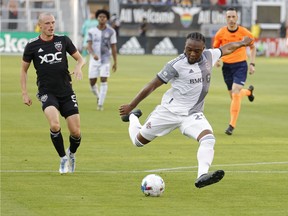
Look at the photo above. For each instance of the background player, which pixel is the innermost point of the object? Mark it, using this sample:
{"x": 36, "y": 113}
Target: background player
{"x": 183, "y": 104}
{"x": 101, "y": 41}
{"x": 235, "y": 67}
{"x": 48, "y": 53}
{"x": 89, "y": 23}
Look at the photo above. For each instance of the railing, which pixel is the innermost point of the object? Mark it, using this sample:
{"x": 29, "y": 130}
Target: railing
{"x": 27, "y": 16}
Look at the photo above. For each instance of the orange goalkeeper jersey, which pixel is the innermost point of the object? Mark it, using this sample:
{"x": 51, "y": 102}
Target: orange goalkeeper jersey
{"x": 224, "y": 36}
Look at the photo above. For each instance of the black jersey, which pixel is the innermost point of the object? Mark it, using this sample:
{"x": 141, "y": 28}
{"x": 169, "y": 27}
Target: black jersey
{"x": 51, "y": 63}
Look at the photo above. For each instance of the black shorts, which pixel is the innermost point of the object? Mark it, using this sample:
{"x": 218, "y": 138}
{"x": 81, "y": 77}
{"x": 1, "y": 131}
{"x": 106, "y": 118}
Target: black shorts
{"x": 67, "y": 105}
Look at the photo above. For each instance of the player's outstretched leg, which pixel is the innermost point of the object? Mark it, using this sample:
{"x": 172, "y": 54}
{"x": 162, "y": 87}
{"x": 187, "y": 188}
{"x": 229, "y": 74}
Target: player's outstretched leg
{"x": 134, "y": 126}
{"x": 209, "y": 178}
{"x": 136, "y": 112}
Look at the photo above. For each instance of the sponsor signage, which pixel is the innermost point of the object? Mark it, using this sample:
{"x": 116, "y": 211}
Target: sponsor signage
{"x": 172, "y": 17}
{"x": 175, "y": 45}
{"x": 272, "y": 47}
{"x": 152, "y": 45}
{"x": 165, "y": 47}
{"x": 131, "y": 47}
{"x": 15, "y": 42}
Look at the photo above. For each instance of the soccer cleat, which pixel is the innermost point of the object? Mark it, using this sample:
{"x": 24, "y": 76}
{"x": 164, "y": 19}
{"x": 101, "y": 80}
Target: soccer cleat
{"x": 209, "y": 178}
{"x": 229, "y": 130}
{"x": 64, "y": 163}
{"x": 251, "y": 96}
{"x": 100, "y": 108}
{"x": 71, "y": 160}
{"x": 136, "y": 112}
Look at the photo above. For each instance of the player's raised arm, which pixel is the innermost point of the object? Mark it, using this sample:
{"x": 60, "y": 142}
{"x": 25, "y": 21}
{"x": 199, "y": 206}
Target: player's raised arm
{"x": 231, "y": 47}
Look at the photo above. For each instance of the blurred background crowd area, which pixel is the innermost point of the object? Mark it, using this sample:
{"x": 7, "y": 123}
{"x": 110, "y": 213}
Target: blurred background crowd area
{"x": 188, "y": 3}
{"x": 161, "y": 18}
{"x": 21, "y": 15}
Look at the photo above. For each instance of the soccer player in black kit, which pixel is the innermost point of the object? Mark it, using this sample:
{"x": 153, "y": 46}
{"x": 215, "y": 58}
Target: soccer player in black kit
{"x": 48, "y": 52}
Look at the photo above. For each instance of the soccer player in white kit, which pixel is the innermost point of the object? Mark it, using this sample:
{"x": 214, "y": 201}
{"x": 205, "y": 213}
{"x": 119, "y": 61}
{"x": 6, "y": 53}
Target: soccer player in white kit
{"x": 101, "y": 43}
{"x": 183, "y": 104}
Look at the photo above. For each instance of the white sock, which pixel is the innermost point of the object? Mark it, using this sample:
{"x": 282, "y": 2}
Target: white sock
{"x": 103, "y": 92}
{"x": 94, "y": 90}
{"x": 134, "y": 127}
{"x": 205, "y": 154}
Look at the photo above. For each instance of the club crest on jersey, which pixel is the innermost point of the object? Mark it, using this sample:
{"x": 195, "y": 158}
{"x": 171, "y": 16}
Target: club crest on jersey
{"x": 58, "y": 46}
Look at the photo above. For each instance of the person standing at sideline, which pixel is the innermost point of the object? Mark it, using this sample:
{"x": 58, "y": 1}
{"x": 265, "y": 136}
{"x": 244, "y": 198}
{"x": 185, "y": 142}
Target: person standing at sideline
{"x": 89, "y": 23}
{"x": 143, "y": 27}
{"x": 115, "y": 23}
{"x": 256, "y": 30}
{"x": 235, "y": 67}
{"x": 182, "y": 105}
{"x": 48, "y": 53}
{"x": 143, "y": 32}
{"x": 101, "y": 41}
{"x": 13, "y": 14}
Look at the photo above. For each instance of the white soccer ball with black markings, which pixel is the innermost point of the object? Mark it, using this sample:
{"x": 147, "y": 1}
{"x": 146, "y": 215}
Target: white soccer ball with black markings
{"x": 153, "y": 185}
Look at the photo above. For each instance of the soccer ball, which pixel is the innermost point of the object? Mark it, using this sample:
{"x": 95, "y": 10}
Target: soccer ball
{"x": 152, "y": 185}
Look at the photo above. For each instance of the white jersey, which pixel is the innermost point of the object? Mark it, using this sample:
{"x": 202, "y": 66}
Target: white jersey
{"x": 101, "y": 42}
{"x": 189, "y": 82}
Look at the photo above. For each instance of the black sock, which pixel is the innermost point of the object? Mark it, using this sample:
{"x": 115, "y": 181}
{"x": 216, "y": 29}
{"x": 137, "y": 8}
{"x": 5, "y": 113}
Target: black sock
{"x": 58, "y": 143}
{"x": 74, "y": 143}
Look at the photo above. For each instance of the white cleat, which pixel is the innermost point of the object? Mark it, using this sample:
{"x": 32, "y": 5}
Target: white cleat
{"x": 64, "y": 163}
{"x": 100, "y": 108}
{"x": 71, "y": 161}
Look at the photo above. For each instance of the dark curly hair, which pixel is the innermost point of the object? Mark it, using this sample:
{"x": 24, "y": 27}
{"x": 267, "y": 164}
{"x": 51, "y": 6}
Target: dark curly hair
{"x": 196, "y": 36}
{"x": 102, "y": 11}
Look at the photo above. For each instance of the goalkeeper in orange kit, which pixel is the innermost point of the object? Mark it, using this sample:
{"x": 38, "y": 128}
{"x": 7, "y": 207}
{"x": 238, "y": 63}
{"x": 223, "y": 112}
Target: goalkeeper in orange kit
{"x": 235, "y": 65}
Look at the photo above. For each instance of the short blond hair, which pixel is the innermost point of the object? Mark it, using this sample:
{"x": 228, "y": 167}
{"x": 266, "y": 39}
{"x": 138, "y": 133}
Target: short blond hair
{"x": 44, "y": 14}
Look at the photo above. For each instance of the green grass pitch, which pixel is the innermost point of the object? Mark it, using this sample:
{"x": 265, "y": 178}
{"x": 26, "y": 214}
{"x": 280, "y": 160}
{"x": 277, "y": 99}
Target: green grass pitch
{"x": 110, "y": 169}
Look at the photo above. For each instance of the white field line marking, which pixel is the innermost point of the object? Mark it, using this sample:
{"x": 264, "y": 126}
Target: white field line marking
{"x": 175, "y": 169}
{"x": 221, "y": 165}
{"x": 167, "y": 171}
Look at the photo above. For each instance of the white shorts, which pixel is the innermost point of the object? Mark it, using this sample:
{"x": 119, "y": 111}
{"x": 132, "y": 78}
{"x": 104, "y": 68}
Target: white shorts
{"x": 161, "y": 122}
{"x": 98, "y": 70}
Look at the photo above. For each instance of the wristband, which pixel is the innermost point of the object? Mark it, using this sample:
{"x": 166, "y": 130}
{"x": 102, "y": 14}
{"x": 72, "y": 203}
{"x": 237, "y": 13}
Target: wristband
{"x": 253, "y": 64}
